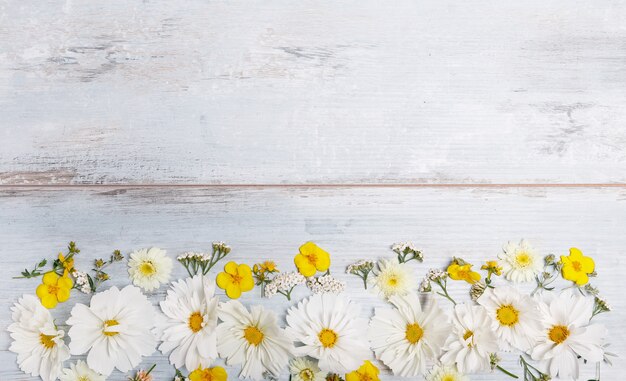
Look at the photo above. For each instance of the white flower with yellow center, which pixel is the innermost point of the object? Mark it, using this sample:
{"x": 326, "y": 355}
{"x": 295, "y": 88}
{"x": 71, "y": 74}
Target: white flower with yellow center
{"x": 36, "y": 340}
{"x": 567, "y": 334}
{"x": 189, "y": 329}
{"x": 80, "y": 372}
{"x": 253, "y": 339}
{"x": 514, "y": 317}
{"x": 303, "y": 369}
{"x": 406, "y": 337}
{"x": 114, "y": 329}
{"x": 329, "y": 328}
{"x": 149, "y": 268}
{"x": 520, "y": 262}
{"x": 445, "y": 373}
{"x": 471, "y": 341}
{"x": 393, "y": 278}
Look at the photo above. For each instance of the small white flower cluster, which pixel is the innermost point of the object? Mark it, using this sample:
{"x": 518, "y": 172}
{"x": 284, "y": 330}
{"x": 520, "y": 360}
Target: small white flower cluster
{"x": 82, "y": 282}
{"x": 436, "y": 275}
{"x": 283, "y": 282}
{"x": 362, "y": 265}
{"x": 221, "y": 246}
{"x": 425, "y": 286}
{"x": 190, "y": 255}
{"x": 325, "y": 284}
{"x": 405, "y": 248}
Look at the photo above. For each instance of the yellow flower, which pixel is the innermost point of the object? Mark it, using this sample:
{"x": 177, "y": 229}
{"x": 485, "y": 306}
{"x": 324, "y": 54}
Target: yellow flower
{"x": 311, "y": 259}
{"x": 68, "y": 264}
{"x": 463, "y": 272}
{"x": 235, "y": 279}
{"x": 54, "y": 289}
{"x": 576, "y": 267}
{"x": 367, "y": 372}
{"x": 209, "y": 374}
{"x": 492, "y": 267}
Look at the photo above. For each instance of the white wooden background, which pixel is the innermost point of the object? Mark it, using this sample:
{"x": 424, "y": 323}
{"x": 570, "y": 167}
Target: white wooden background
{"x": 356, "y": 124}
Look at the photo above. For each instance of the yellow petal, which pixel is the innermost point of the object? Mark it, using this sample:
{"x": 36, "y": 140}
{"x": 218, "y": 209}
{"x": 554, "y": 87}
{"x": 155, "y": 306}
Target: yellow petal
{"x": 63, "y": 294}
{"x": 474, "y": 277}
{"x": 587, "y": 264}
{"x": 582, "y": 279}
{"x": 301, "y": 260}
{"x": 244, "y": 270}
{"x": 306, "y": 269}
{"x": 308, "y": 248}
{"x": 323, "y": 260}
{"x": 453, "y": 271}
{"x": 565, "y": 260}
{"x": 50, "y": 278}
{"x": 42, "y": 291}
{"x": 219, "y": 374}
{"x": 49, "y": 301}
{"x": 65, "y": 282}
{"x": 569, "y": 273}
{"x": 369, "y": 369}
{"x": 575, "y": 253}
{"x": 247, "y": 283}
{"x": 353, "y": 376}
{"x": 231, "y": 268}
{"x": 196, "y": 375}
{"x": 223, "y": 280}
{"x": 233, "y": 291}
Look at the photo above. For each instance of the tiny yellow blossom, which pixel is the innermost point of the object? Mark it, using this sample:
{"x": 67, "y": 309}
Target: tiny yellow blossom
{"x": 311, "y": 259}
{"x": 367, "y": 372}
{"x": 68, "y": 264}
{"x": 463, "y": 272}
{"x": 577, "y": 267}
{"x": 209, "y": 374}
{"x": 54, "y": 289}
{"x": 235, "y": 279}
{"x": 492, "y": 267}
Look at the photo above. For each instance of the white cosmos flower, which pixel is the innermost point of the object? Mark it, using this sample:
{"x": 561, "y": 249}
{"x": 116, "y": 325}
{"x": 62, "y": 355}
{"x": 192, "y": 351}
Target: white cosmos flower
{"x": 80, "y": 372}
{"x": 514, "y": 317}
{"x": 393, "y": 278}
{"x": 114, "y": 329}
{"x": 253, "y": 339}
{"x": 406, "y": 337}
{"x": 189, "y": 329}
{"x": 330, "y": 329}
{"x": 303, "y": 369}
{"x": 149, "y": 268}
{"x": 472, "y": 340}
{"x": 39, "y": 345}
{"x": 441, "y": 372}
{"x": 566, "y": 334}
{"x": 520, "y": 262}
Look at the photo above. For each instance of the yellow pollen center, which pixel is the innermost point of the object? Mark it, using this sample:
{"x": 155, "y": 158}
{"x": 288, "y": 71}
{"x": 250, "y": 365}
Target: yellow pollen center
{"x": 195, "y": 322}
{"x": 147, "y": 268}
{"x": 577, "y": 266}
{"x": 84, "y": 378}
{"x": 110, "y": 323}
{"x": 236, "y": 278}
{"x": 507, "y": 315}
{"x": 253, "y": 335}
{"x": 558, "y": 333}
{"x": 447, "y": 377}
{"x": 327, "y": 337}
{"x": 306, "y": 374}
{"x": 468, "y": 334}
{"x": 46, "y": 341}
{"x": 53, "y": 289}
{"x": 413, "y": 333}
{"x": 312, "y": 258}
{"x": 523, "y": 259}
{"x": 392, "y": 281}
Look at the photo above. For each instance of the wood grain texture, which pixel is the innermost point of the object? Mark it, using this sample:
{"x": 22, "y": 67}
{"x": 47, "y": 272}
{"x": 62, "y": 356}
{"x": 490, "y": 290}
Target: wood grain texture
{"x": 350, "y": 223}
{"x": 312, "y": 91}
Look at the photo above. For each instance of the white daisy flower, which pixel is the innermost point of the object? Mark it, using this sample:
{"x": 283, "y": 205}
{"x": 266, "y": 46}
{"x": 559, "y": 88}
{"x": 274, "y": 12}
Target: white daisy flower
{"x": 303, "y": 369}
{"x": 472, "y": 340}
{"x": 36, "y": 340}
{"x": 520, "y": 262}
{"x": 514, "y": 317}
{"x": 441, "y": 372}
{"x": 149, "y": 268}
{"x": 80, "y": 372}
{"x": 330, "y": 329}
{"x": 189, "y": 329}
{"x": 405, "y": 337}
{"x": 393, "y": 278}
{"x": 566, "y": 334}
{"x": 253, "y": 339}
{"x": 114, "y": 329}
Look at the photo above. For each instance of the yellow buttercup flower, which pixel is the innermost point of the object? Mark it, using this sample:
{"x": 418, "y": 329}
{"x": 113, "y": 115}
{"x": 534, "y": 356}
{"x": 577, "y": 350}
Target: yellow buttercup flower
{"x": 463, "y": 272}
{"x": 311, "y": 259}
{"x": 209, "y": 374}
{"x": 54, "y": 289}
{"x": 367, "y": 372}
{"x": 577, "y": 267}
{"x": 235, "y": 279}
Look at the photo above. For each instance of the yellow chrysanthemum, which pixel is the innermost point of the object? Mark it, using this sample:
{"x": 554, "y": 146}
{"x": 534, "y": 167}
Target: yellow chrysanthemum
{"x": 54, "y": 289}
{"x": 577, "y": 267}
{"x": 235, "y": 279}
{"x": 209, "y": 374}
{"x": 311, "y": 259}
{"x": 463, "y": 272}
{"x": 367, "y": 372}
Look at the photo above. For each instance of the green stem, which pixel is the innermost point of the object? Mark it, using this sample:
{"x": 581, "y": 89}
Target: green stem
{"x": 501, "y": 369}
{"x": 150, "y": 370}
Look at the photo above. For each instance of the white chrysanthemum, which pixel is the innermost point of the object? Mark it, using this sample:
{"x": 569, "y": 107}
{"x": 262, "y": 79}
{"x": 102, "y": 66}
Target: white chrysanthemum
{"x": 189, "y": 328}
{"x": 39, "y": 345}
{"x": 253, "y": 339}
{"x": 520, "y": 262}
{"x": 406, "y": 337}
{"x": 393, "y": 278}
{"x": 114, "y": 329}
{"x": 330, "y": 329}
{"x": 472, "y": 340}
{"x": 566, "y": 334}
{"x": 303, "y": 369}
{"x": 80, "y": 372}
{"x": 149, "y": 268}
{"x": 514, "y": 317}
{"x": 445, "y": 373}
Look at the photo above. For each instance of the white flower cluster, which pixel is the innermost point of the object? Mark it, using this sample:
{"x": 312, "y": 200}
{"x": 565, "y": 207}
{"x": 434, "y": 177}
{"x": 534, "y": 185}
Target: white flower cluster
{"x": 190, "y": 255}
{"x": 325, "y": 284}
{"x": 425, "y": 286}
{"x": 435, "y": 275}
{"x": 283, "y": 282}
{"x": 221, "y": 246}
{"x": 362, "y": 265}
{"x": 82, "y": 282}
{"x": 407, "y": 248}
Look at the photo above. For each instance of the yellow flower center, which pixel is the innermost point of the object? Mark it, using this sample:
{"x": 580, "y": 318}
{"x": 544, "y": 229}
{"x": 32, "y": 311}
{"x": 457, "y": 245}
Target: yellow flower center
{"x": 413, "y": 333}
{"x": 327, "y": 337}
{"x": 392, "y": 281}
{"x": 195, "y": 322}
{"x": 110, "y": 323}
{"x": 523, "y": 259}
{"x": 448, "y": 377}
{"x": 253, "y": 335}
{"x": 46, "y": 341}
{"x": 147, "y": 268}
{"x": 312, "y": 258}
{"x": 507, "y": 315}
{"x": 467, "y": 335}
{"x": 307, "y": 374}
{"x": 577, "y": 266}
{"x": 53, "y": 289}
{"x": 558, "y": 333}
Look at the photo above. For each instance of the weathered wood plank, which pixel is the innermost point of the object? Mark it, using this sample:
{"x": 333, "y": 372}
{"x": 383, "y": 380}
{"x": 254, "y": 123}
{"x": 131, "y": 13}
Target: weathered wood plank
{"x": 312, "y": 91}
{"x": 272, "y": 223}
